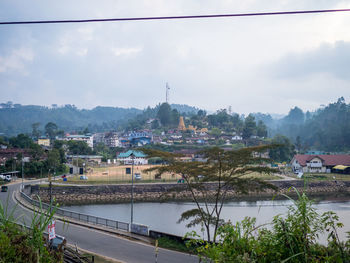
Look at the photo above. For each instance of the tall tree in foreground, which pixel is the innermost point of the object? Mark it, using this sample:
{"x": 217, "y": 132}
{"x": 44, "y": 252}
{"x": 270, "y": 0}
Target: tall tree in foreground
{"x": 211, "y": 182}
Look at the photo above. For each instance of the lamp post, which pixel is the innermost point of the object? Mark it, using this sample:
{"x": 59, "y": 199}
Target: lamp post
{"x": 132, "y": 188}
{"x": 50, "y": 187}
{"x": 22, "y": 172}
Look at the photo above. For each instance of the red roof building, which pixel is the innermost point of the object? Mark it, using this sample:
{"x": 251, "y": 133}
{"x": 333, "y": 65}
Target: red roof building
{"x": 318, "y": 163}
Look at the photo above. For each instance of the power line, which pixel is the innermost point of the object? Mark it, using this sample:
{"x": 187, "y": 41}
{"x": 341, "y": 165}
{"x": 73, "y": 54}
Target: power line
{"x": 171, "y": 17}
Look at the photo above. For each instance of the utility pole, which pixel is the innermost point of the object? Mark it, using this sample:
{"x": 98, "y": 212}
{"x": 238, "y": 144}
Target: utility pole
{"x": 132, "y": 189}
{"x": 22, "y": 173}
{"x": 167, "y": 88}
{"x": 50, "y": 187}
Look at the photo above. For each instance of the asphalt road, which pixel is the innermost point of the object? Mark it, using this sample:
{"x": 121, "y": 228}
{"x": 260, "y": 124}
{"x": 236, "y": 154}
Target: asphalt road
{"x": 99, "y": 242}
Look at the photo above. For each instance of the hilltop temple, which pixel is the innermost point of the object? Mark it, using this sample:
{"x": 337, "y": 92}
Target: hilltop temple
{"x": 182, "y": 127}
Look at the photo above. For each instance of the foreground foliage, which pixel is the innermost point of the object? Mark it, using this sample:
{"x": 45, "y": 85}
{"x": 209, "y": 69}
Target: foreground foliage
{"x": 291, "y": 238}
{"x": 21, "y": 244}
{"x": 210, "y": 181}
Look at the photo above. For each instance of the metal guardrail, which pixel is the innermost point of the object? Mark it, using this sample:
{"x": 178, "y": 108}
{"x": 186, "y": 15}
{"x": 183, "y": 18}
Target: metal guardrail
{"x": 81, "y": 217}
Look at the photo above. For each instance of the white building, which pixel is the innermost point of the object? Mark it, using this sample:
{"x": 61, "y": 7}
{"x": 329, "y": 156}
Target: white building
{"x": 85, "y": 138}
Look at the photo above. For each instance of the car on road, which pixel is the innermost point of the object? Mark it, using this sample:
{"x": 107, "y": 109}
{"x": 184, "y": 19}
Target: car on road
{"x": 137, "y": 176}
{"x": 4, "y": 188}
{"x": 83, "y": 177}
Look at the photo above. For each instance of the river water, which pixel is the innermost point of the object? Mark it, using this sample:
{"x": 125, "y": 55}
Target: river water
{"x": 163, "y": 216}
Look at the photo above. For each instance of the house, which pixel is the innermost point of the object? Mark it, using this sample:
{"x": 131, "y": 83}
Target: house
{"x": 140, "y": 138}
{"x": 85, "y": 138}
{"x": 111, "y": 139}
{"x": 318, "y": 163}
{"x": 13, "y": 153}
{"x": 132, "y": 157}
{"x": 86, "y": 158}
{"x": 237, "y": 138}
{"x": 43, "y": 141}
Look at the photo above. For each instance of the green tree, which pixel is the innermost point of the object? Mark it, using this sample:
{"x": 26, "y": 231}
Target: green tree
{"x": 175, "y": 116}
{"x": 79, "y": 147}
{"x": 35, "y": 130}
{"x": 209, "y": 182}
{"x": 295, "y": 116}
{"x": 290, "y": 238}
{"x": 283, "y": 153}
{"x": 164, "y": 114}
{"x": 21, "y": 141}
{"x": 261, "y": 129}
{"x": 51, "y": 130}
{"x": 249, "y": 128}
{"x": 155, "y": 124}
{"x": 216, "y": 132}
{"x": 53, "y": 158}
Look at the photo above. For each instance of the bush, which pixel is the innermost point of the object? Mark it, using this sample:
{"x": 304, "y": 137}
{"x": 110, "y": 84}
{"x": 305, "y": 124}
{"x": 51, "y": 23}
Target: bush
{"x": 291, "y": 238}
{"x": 25, "y": 245}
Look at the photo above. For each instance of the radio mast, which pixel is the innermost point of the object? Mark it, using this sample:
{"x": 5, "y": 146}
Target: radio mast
{"x": 167, "y": 88}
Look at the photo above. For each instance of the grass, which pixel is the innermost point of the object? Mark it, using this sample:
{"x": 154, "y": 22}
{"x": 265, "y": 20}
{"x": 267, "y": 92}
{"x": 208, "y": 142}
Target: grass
{"x": 263, "y": 176}
{"x": 168, "y": 243}
{"x": 327, "y": 176}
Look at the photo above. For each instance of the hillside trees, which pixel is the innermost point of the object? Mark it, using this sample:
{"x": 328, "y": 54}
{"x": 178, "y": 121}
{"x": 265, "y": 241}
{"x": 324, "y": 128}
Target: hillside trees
{"x": 35, "y": 130}
{"x": 51, "y": 130}
{"x": 285, "y": 151}
{"x": 209, "y": 182}
{"x": 249, "y": 128}
{"x": 167, "y": 116}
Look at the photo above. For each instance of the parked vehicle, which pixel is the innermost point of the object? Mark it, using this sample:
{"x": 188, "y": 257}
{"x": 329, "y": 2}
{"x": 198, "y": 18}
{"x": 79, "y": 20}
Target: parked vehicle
{"x": 8, "y": 178}
{"x": 83, "y": 177}
{"x": 181, "y": 181}
{"x": 137, "y": 176}
{"x": 4, "y": 188}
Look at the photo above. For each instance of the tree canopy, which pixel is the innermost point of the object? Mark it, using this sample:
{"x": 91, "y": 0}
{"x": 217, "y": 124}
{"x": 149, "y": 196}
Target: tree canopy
{"x": 210, "y": 182}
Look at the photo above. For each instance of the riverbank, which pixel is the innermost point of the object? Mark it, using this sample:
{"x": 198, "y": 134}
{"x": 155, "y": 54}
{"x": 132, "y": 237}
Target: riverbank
{"x": 114, "y": 194}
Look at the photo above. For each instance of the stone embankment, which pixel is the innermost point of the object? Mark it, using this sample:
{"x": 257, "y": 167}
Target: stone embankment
{"x": 94, "y": 194}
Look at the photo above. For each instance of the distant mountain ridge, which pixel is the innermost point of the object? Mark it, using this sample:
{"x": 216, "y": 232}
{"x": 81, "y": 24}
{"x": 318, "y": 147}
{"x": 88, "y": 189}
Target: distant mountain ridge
{"x": 17, "y": 118}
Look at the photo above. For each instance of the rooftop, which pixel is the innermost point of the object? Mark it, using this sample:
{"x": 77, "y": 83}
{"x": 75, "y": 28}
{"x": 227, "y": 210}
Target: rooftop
{"x": 137, "y": 154}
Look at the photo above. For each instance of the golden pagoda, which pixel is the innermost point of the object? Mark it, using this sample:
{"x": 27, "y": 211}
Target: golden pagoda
{"x": 181, "y": 126}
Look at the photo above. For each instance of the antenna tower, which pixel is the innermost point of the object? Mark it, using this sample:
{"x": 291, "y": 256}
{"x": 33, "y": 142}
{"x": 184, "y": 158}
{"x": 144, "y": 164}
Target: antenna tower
{"x": 167, "y": 88}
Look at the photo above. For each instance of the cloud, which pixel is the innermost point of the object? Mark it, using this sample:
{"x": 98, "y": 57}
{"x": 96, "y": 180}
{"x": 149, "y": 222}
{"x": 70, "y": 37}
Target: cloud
{"x": 16, "y": 60}
{"x": 126, "y": 51}
{"x": 210, "y": 63}
{"x": 330, "y": 59}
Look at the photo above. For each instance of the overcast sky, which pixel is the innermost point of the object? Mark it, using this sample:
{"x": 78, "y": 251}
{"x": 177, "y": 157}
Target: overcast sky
{"x": 253, "y": 64}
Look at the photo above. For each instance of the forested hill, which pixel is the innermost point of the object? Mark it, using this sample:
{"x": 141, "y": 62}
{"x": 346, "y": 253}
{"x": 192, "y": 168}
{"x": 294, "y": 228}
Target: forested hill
{"x": 326, "y": 129}
{"x": 16, "y": 118}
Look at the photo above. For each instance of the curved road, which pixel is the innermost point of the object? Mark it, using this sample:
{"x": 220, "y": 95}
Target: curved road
{"x": 99, "y": 242}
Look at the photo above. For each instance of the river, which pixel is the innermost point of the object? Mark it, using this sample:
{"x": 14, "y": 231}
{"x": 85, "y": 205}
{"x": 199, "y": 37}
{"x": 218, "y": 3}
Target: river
{"x": 163, "y": 216}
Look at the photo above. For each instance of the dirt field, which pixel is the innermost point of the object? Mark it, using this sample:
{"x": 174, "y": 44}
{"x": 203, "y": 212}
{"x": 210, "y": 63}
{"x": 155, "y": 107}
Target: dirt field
{"x": 118, "y": 173}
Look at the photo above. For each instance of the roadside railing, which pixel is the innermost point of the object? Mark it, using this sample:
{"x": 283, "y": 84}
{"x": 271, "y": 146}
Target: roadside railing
{"x": 81, "y": 217}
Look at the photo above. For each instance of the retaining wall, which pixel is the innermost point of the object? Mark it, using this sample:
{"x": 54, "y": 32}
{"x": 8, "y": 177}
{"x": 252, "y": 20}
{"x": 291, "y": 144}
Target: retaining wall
{"x": 70, "y": 195}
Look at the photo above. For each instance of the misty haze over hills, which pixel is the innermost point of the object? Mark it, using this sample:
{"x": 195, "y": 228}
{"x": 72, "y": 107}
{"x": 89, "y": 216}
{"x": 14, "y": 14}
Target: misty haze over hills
{"x": 17, "y": 118}
{"x": 327, "y": 128}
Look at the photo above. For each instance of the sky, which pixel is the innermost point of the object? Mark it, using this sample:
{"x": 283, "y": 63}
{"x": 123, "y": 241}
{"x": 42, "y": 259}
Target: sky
{"x": 253, "y": 64}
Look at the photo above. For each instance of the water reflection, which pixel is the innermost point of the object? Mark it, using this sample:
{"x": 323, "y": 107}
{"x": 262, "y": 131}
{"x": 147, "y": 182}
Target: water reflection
{"x": 163, "y": 217}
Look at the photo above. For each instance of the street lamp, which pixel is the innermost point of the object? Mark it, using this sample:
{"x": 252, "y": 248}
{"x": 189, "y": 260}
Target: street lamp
{"x": 22, "y": 172}
{"x": 132, "y": 188}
